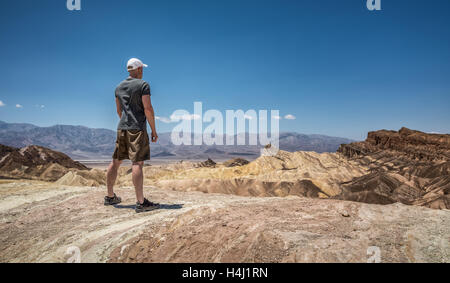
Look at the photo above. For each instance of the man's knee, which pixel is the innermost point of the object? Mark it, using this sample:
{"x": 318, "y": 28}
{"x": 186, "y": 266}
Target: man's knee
{"x": 115, "y": 164}
{"x": 138, "y": 164}
{"x": 137, "y": 169}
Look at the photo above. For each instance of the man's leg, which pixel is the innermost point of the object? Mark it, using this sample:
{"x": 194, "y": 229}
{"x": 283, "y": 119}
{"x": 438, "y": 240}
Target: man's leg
{"x": 138, "y": 180}
{"x": 111, "y": 176}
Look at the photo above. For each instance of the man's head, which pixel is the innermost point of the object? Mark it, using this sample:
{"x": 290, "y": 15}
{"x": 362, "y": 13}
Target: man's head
{"x": 136, "y": 68}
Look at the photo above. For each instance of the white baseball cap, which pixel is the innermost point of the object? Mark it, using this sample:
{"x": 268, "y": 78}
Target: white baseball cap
{"x": 134, "y": 64}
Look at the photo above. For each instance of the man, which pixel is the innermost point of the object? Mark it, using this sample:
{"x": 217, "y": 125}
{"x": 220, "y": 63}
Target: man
{"x": 134, "y": 108}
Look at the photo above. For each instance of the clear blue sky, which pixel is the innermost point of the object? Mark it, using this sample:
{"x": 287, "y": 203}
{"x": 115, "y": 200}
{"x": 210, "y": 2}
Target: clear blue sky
{"x": 340, "y": 69}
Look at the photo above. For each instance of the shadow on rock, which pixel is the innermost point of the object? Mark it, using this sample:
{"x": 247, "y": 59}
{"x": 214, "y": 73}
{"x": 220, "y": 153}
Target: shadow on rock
{"x": 161, "y": 206}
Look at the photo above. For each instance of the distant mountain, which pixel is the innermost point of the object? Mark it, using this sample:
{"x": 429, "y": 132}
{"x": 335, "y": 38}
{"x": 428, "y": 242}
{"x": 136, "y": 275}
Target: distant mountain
{"x": 84, "y": 143}
{"x": 15, "y": 127}
{"x": 76, "y": 141}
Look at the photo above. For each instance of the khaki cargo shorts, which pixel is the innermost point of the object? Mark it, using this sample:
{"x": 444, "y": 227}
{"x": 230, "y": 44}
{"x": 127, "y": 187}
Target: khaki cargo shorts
{"x": 133, "y": 145}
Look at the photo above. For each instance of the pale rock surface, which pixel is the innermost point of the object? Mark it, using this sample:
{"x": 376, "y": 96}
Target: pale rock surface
{"x": 39, "y": 222}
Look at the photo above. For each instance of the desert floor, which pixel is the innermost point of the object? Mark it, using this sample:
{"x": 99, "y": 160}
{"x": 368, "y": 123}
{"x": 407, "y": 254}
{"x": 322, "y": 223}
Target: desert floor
{"x": 43, "y": 222}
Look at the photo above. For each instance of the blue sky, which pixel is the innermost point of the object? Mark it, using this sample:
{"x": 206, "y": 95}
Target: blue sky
{"x": 340, "y": 69}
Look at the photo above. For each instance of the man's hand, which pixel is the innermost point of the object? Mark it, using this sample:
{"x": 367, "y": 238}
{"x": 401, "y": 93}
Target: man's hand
{"x": 154, "y": 137}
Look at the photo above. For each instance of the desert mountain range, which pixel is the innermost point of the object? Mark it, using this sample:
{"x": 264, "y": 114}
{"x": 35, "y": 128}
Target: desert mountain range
{"x": 82, "y": 143}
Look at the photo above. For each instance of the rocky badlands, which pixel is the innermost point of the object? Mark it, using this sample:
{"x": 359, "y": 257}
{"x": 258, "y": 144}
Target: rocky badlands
{"x": 390, "y": 193}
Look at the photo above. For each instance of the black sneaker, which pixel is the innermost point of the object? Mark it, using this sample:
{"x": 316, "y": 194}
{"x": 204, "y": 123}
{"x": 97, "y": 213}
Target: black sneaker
{"x": 146, "y": 206}
{"x": 112, "y": 201}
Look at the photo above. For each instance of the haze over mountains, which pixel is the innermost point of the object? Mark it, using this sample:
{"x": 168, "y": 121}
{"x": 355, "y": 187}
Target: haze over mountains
{"x": 83, "y": 143}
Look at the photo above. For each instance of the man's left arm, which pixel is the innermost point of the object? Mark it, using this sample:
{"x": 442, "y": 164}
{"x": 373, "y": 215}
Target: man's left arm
{"x": 150, "y": 115}
{"x": 119, "y": 108}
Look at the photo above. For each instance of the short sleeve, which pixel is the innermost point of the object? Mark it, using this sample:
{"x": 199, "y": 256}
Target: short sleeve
{"x": 146, "y": 89}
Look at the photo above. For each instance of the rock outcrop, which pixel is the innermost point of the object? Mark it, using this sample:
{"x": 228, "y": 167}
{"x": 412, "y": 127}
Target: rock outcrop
{"x": 208, "y": 164}
{"x": 407, "y": 166}
{"x": 35, "y": 162}
{"x": 235, "y": 162}
{"x": 409, "y": 144}
{"x": 91, "y": 178}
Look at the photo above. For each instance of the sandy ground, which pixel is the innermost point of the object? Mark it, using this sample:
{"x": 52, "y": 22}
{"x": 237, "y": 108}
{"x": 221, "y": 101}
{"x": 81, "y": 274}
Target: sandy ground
{"x": 42, "y": 222}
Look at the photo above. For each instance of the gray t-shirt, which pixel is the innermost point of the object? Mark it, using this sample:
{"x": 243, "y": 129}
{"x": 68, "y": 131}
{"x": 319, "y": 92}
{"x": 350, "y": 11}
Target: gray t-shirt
{"x": 130, "y": 92}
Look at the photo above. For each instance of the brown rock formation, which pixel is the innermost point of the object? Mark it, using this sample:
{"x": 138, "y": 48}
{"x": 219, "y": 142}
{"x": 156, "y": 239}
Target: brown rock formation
{"x": 35, "y": 162}
{"x": 208, "y": 164}
{"x": 413, "y": 145}
{"x": 407, "y": 166}
{"x": 235, "y": 162}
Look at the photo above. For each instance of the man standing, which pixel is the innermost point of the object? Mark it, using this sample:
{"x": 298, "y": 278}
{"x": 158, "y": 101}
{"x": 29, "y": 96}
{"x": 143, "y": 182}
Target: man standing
{"x": 134, "y": 108}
